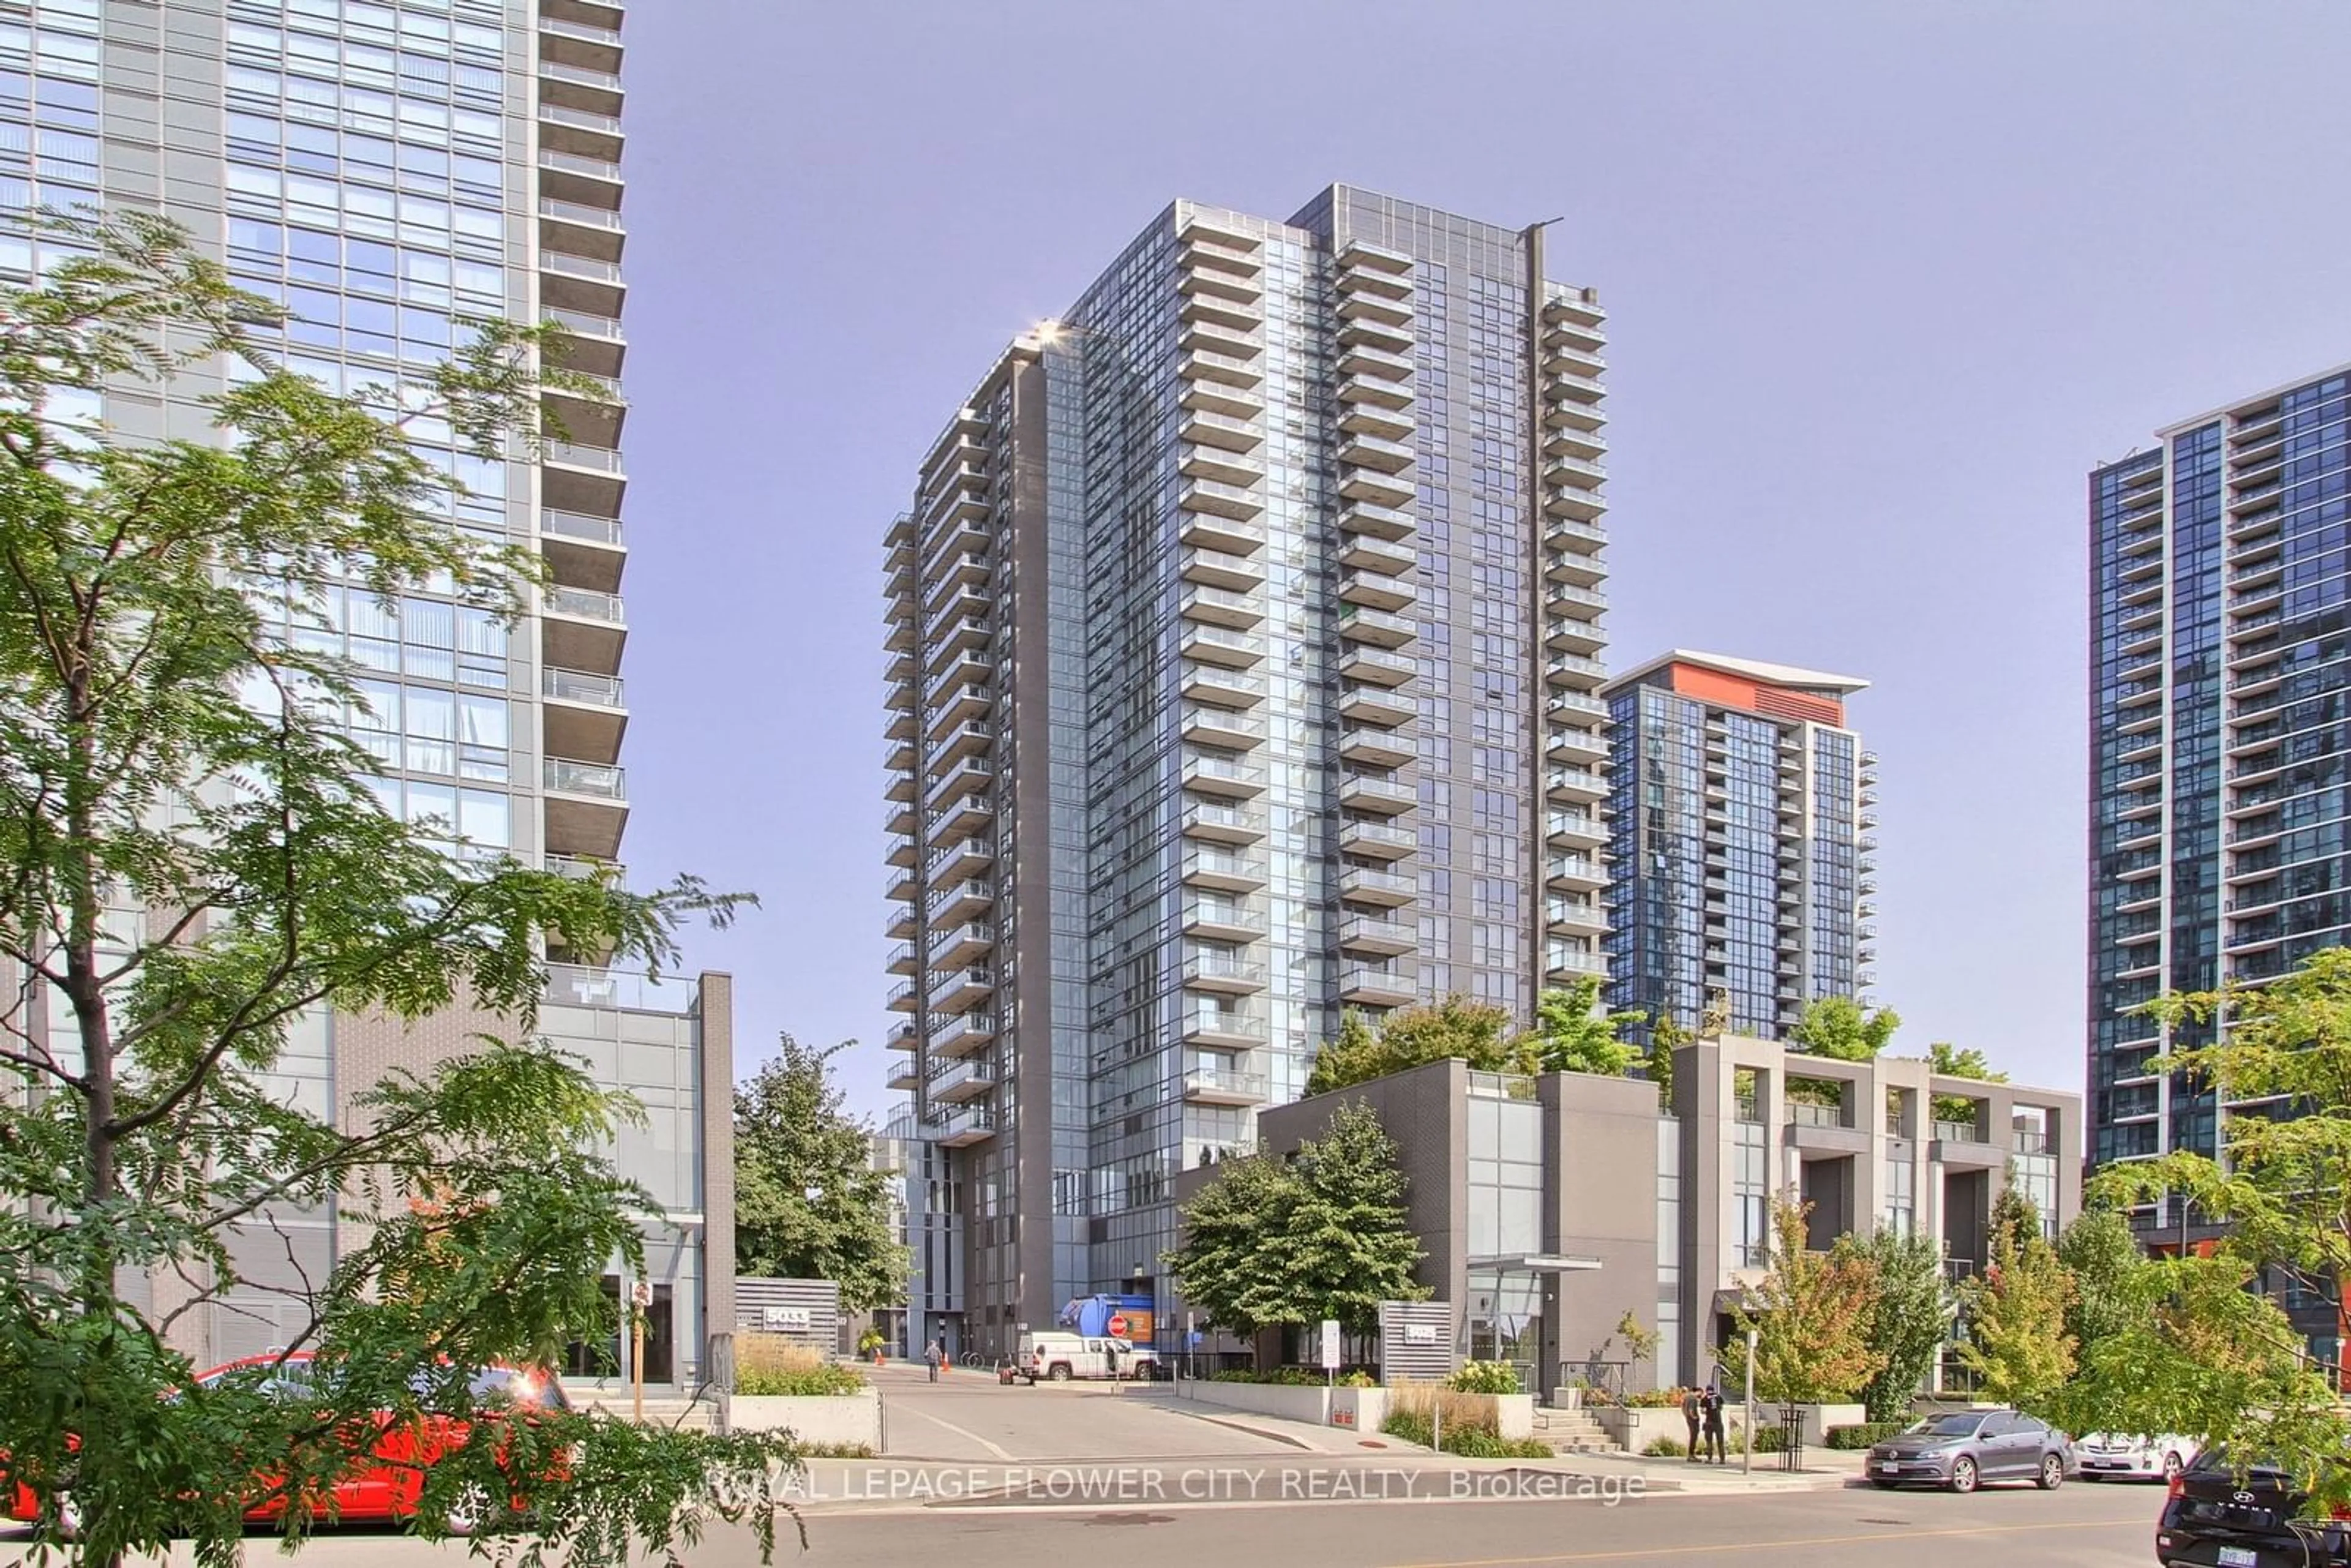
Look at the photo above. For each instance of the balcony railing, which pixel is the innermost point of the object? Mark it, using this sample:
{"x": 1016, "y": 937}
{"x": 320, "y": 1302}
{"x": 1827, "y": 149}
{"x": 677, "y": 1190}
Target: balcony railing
{"x": 603, "y": 459}
{"x": 2032, "y": 1141}
{"x": 585, "y": 603}
{"x": 579, "y": 686}
{"x": 571, "y": 778}
{"x": 574, "y": 985}
{"x": 572, "y": 526}
{"x": 578, "y": 213}
{"x": 1804, "y": 1114}
{"x": 1957, "y": 1133}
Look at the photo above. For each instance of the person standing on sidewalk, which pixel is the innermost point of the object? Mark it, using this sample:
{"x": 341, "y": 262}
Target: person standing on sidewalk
{"x": 931, "y": 1353}
{"x": 1714, "y": 1436}
{"x": 1693, "y": 1415}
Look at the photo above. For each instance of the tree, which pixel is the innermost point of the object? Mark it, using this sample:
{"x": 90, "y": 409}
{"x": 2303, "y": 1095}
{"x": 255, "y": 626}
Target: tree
{"x": 809, "y": 1202}
{"x": 1665, "y": 1037}
{"x": 1910, "y": 1316}
{"x": 2099, "y": 1250}
{"x": 1838, "y": 1027}
{"x": 1480, "y": 1033}
{"x": 193, "y": 863}
{"x": 1811, "y": 1314}
{"x": 2016, "y": 1340}
{"x": 2213, "y": 1355}
{"x": 1951, "y": 1062}
{"x": 1574, "y": 1034}
{"x": 2014, "y": 1216}
{"x": 1272, "y": 1243}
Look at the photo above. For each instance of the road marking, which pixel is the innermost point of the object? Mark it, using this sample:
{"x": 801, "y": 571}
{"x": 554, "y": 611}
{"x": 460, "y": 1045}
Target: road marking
{"x": 958, "y": 1431}
{"x": 1631, "y": 1554}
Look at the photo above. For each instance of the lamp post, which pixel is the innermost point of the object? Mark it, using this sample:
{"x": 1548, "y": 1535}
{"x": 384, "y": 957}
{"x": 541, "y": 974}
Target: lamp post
{"x": 1747, "y": 1459}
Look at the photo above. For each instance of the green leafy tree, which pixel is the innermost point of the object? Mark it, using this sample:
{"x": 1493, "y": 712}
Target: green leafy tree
{"x": 1951, "y": 1062}
{"x": 1840, "y": 1027}
{"x": 1272, "y": 1243}
{"x": 1480, "y": 1033}
{"x": 1910, "y": 1316}
{"x": 1665, "y": 1037}
{"x": 1812, "y": 1314}
{"x": 2099, "y": 1250}
{"x": 2016, "y": 1340}
{"x": 809, "y": 1202}
{"x": 194, "y": 864}
{"x": 2014, "y": 1216}
{"x": 1574, "y": 1034}
{"x": 2212, "y": 1356}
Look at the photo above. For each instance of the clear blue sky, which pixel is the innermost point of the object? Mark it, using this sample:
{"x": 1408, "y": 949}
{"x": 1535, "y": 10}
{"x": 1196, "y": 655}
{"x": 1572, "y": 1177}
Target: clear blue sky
{"x": 1885, "y": 281}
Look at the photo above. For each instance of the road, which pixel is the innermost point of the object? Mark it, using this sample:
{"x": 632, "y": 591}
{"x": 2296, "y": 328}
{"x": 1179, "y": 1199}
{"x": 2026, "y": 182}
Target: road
{"x": 983, "y": 1476}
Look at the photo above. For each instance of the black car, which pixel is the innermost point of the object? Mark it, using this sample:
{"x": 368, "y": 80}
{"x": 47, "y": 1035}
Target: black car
{"x": 1962, "y": 1449}
{"x": 2218, "y": 1518}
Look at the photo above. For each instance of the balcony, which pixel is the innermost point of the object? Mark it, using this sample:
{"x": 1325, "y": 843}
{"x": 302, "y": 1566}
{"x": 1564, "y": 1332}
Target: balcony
{"x": 904, "y": 1076}
{"x": 1233, "y": 689}
{"x": 1206, "y": 427}
{"x": 1222, "y": 1029}
{"x": 1378, "y": 797}
{"x": 962, "y": 1125}
{"x": 1217, "y": 568}
{"x": 1366, "y": 985}
{"x": 962, "y": 1034}
{"x": 1223, "y": 871}
{"x": 1378, "y": 390}
{"x": 1376, "y": 666}
{"x": 1574, "y": 830}
{"x": 1215, "y": 283}
{"x": 587, "y": 479}
{"x": 963, "y": 944}
{"x": 1220, "y": 487}
{"x": 1370, "y": 419}
{"x": 581, "y": 630}
{"x": 903, "y": 999}
{"x": 1224, "y": 776}
{"x": 1376, "y": 590}
{"x": 960, "y": 902}
{"x": 1567, "y": 670}
{"x": 1360, "y": 304}
{"x": 1221, "y": 396}
{"x": 1233, "y": 607}
{"x": 1576, "y": 748}
{"x": 573, "y": 177}
{"x": 585, "y": 229}
{"x": 1575, "y": 914}
{"x": 1210, "y": 308}
{"x": 1376, "y": 747}
{"x": 1221, "y": 824}
{"x": 1573, "y": 636}
{"x": 1376, "y": 840}
{"x": 963, "y": 742}
{"x": 1566, "y": 965}
{"x": 1380, "y": 628}
{"x": 587, "y": 806}
{"x": 1225, "y": 731}
{"x": 965, "y": 817}
{"x": 1574, "y": 389}
{"x": 1226, "y": 346}
{"x": 1363, "y": 328}
{"x": 1585, "y": 505}
{"x": 578, "y": 86}
{"x": 585, "y": 715}
{"x": 901, "y": 1037}
{"x": 1202, "y": 1087}
{"x": 1223, "y": 647}
{"x": 1374, "y": 554}
{"x": 961, "y": 990}
{"x": 1372, "y": 520}
{"x": 1580, "y": 872}
{"x": 1365, "y": 450}
{"x": 1222, "y": 974}
{"x": 1376, "y": 706}
{"x": 582, "y": 551}
{"x": 1380, "y": 489}
{"x": 1223, "y": 920}
{"x": 963, "y": 1079}
{"x": 1364, "y": 361}
{"x": 1213, "y": 250}
{"x": 1377, "y": 889}
{"x": 1369, "y": 933}
{"x": 1214, "y": 531}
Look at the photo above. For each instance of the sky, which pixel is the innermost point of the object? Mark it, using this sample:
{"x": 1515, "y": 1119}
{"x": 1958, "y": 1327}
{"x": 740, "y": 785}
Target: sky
{"x": 1884, "y": 282}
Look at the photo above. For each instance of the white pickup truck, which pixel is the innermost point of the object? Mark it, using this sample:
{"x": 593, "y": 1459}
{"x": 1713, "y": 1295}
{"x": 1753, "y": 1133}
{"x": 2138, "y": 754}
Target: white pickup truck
{"x": 1059, "y": 1357}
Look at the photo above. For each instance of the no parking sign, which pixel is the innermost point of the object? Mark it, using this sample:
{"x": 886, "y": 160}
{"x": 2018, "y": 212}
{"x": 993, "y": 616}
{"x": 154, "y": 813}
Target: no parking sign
{"x": 1117, "y": 1325}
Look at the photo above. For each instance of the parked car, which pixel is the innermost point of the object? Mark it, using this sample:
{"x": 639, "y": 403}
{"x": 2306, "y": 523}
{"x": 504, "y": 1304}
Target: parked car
{"x": 2134, "y": 1457}
{"x": 1962, "y": 1449}
{"x": 1059, "y": 1357}
{"x": 2218, "y": 1518}
{"x": 383, "y": 1491}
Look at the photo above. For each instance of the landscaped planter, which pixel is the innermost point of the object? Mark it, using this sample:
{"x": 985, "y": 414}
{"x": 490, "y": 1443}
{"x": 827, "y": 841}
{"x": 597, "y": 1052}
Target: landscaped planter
{"x": 1634, "y": 1428}
{"x": 1514, "y": 1415}
{"x": 1361, "y": 1409}
{"x": 831, "y": 1419}
{"x": 1819, "y": 1418}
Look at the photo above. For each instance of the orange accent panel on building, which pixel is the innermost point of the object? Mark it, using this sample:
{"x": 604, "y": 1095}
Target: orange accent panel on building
{"x": 1754, "y": 697}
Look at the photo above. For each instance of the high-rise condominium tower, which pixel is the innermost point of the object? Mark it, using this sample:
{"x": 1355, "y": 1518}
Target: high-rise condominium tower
{"x": 1244, "y": 635}
{"x": 385, "y": 169}
{"x": 2218, "y": 757}
{"x": 1740, "y": 820}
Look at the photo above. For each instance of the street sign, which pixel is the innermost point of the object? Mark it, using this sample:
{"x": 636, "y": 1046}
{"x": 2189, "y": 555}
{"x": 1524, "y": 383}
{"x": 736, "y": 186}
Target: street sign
{"x": 1117, "y": 1325}
{"x": 642, "y": 1293}
{"x": 1330, "y": 1344}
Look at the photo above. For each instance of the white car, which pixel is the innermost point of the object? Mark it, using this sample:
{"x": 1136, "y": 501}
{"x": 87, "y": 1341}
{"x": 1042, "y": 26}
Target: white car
{"x": 2133, "y": 1456}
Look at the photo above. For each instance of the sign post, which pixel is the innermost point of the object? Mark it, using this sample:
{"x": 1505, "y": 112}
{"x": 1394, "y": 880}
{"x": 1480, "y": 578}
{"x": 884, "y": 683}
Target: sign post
{"x": 640, "y": 1296}
{"x": 1747, "y": 1459}
{"x": 1330, "y": 1350}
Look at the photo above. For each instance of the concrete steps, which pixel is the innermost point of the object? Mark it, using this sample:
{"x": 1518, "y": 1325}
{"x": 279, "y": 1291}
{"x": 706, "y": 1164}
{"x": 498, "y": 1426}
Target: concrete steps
{"x": 1571, "y": 1432}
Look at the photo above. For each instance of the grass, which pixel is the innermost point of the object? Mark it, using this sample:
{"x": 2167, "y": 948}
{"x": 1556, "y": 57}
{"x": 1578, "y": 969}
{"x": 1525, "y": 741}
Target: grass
{"x": 766, "y": 1364}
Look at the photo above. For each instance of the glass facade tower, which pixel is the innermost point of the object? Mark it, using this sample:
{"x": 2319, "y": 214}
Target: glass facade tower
{"x": 1742, "y": 817}
{"x": 385, "y": 169}
{"x": 2220, "y": 756}
{"x": 1244, "y": 639}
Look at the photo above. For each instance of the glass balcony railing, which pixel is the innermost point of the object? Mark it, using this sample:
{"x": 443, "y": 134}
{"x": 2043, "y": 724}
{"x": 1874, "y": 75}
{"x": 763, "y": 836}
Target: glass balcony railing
{"x": 572, "y": 526}
{"x": 584, "y": 603}
{"x": 579, "y": 212}
{"x": 571, "y": 778}
{"x": 579, "y": 686}
{"x": 1957, "y": 1133}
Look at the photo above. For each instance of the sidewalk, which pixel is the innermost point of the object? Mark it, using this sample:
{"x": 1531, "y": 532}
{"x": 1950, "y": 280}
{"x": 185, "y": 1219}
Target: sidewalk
{"x": 1826, "y": 1469}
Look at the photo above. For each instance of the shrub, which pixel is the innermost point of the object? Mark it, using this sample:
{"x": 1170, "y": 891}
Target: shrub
{"x": 1863, "y": 1435}
{"x": 1485, "y": 1377}
{"x": 1470, "y": 1442}
{"x": 1666, "y": 1449}
{"x": 835, "y": 1451}
{"x": 1655, "y": 1400}
{"x": 1453, "y": 1410}
{"x": 769, "y": 1364}
{"x": 1297, "y": 1377}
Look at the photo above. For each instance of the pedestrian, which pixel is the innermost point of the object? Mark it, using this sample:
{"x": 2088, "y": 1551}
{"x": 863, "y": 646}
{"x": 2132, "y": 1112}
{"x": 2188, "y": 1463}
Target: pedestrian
{"x": 934, "y": 1354}
{"x": 1713, "y": 1412}
{"x": 1693, "y": 1409}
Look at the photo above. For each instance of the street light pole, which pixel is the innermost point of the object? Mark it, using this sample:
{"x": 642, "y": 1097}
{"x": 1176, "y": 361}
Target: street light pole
{"x": 1746, "y": 1459}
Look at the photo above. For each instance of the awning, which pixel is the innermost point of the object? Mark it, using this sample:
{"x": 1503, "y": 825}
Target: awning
{"x": 1535, "y": 1263}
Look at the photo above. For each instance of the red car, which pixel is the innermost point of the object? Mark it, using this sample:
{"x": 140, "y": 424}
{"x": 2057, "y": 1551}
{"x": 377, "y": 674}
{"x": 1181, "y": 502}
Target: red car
{"x": 402, "y": 1448}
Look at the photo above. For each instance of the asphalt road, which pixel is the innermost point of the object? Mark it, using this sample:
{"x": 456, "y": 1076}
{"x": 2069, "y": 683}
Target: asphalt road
{"x": 967, "y": 1418}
